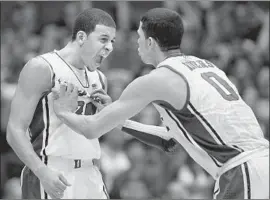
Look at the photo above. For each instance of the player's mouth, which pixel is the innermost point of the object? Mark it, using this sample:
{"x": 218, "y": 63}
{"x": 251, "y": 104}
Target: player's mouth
{"x": 99, "y": 59}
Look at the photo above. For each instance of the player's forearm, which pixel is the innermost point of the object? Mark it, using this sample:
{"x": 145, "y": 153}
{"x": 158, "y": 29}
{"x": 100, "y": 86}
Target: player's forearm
{"x": 81, "y": 124}
{"x": 159, "y": 131}
{"x": 151, "y": 135}
{"x": 23, "y": 148}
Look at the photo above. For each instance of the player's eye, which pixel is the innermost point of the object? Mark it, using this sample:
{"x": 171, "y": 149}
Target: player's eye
{"x": 104, "y": 40}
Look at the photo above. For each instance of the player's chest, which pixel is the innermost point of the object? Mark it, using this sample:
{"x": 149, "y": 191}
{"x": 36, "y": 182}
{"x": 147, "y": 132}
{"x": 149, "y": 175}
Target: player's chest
{"x": 87, "y": 82}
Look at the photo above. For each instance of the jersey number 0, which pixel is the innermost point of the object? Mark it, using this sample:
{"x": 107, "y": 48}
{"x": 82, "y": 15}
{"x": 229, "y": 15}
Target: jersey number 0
{"x": 223, "y": 88}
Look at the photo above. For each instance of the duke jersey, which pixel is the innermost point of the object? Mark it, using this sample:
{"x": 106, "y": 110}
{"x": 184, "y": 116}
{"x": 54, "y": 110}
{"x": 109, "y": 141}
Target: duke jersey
{"x": 51, "y": 137}
{"x": 215, "y": 126}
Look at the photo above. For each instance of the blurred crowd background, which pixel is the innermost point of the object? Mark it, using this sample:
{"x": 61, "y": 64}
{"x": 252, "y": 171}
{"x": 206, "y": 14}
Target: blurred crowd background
{"x": 232, "y": 35}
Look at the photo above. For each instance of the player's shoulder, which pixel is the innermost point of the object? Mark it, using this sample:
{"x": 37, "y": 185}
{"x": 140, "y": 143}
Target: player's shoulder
{"x": 36, "y": 71}
{"x": 162, "y": 84}
{"x": 37, "y": 64}
{"x": 166, "y": 74}
{"x": 160, "y": 72}
{"x": 152, "y": 78}
{"x": 157, "y": 80}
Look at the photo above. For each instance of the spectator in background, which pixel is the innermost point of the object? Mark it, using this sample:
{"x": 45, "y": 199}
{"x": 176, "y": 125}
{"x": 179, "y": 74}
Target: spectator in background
{"x": 135, "y": 151}
{"x": 113, "y": 159}
{"x": 155, "y": 172}
{"x": 263, "y": 82}
{"x": 118, "y": 79}
{"x": 12, "y": 189}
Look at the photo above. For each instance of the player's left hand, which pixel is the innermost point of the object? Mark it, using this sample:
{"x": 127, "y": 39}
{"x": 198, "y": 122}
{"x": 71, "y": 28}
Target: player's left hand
{"x": 100, "y": 99}
{"x": 65, "y": 98}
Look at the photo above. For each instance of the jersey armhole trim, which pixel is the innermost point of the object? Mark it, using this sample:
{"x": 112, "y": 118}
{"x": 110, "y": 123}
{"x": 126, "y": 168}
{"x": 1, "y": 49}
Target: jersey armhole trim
{"x": 101, "y": 79}
{"x": 51, "y": 70}
{"x": 184, "y": 78}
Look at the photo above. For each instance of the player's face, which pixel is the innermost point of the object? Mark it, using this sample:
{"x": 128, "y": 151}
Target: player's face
{"x": 144, "y": 50}
{"x": 97, "y": 46}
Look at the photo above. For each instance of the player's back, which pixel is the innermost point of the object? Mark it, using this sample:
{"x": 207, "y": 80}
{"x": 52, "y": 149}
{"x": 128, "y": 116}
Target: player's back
{"x": 215, "y": 121}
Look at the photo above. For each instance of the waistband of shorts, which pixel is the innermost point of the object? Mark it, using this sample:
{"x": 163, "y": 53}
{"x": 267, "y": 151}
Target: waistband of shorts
{"x": 242, "y": 158}
{"x": 68, "y": 163}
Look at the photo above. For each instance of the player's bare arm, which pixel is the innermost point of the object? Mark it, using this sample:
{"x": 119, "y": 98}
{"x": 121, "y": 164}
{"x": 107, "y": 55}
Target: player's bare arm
{"x": 134, "y": 98}
{"x": 34, "y": 81}
{"x": 155, "y": 136}
{"x": 108, "y": 118}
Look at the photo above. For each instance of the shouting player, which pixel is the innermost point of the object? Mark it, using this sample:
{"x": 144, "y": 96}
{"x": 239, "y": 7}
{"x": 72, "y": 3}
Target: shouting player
{"x": 198, "y": 104}
{"x": 59, "y": 162}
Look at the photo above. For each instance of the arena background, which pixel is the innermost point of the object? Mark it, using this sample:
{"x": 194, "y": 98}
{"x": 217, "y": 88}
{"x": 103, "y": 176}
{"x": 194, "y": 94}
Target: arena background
{"x": 233, "y": 35}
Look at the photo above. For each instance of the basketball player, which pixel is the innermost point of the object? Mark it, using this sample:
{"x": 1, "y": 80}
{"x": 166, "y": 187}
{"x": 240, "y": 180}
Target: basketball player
{"x": 198, "y": 104}
{"x": 63, "y": 161}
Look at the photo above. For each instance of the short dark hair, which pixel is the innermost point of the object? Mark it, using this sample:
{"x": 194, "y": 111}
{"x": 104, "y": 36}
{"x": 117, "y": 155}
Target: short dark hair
{"x": 165, "y": 26}
{"x": 88, "y": 19}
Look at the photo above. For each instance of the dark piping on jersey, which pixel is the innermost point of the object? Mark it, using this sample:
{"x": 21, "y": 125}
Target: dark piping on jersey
{"x": 183, "y": 131}
{"x": 248, "y": 181}
{"x": 53, "y": 77}
{"x": 101, "y": 80}
{"x": 46, "y": 137}
{"x": 47, "y": 130}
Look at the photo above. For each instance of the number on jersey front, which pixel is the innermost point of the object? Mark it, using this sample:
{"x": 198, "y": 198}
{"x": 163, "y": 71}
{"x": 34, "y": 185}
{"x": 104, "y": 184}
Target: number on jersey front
{"x": 222, "y": 87}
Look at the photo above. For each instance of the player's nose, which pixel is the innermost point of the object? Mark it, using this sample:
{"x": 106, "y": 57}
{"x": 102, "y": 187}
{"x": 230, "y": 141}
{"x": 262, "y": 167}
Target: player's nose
{"x": 109, "y": 47}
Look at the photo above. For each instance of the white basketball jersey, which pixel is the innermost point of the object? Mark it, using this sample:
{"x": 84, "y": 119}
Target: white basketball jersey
{"x": 51, "y": 137}
{"x": 215, "y": 125}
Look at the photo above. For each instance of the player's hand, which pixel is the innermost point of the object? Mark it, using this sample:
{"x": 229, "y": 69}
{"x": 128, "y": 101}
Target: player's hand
{"x": 53, "y": 182}
{"x": 65, "y": 98}
{"x": 172, "y": 146}
{"x": 100, "y": 99}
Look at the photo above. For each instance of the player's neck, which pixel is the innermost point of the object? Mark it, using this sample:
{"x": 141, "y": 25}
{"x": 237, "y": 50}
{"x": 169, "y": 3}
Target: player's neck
{"x": 161, "y": 56}
{"x": 172, "y": 53}
{"x": 71, "y": 55}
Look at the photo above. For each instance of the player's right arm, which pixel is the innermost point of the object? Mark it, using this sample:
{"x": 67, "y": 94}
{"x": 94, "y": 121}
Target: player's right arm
{"x": 34, "y": 81}
{"x": 156, "y": 136}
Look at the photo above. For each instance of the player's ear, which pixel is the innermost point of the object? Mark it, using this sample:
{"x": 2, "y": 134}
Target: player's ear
{"x": 81, "y": 37}
{"x": 151, "y": 42}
